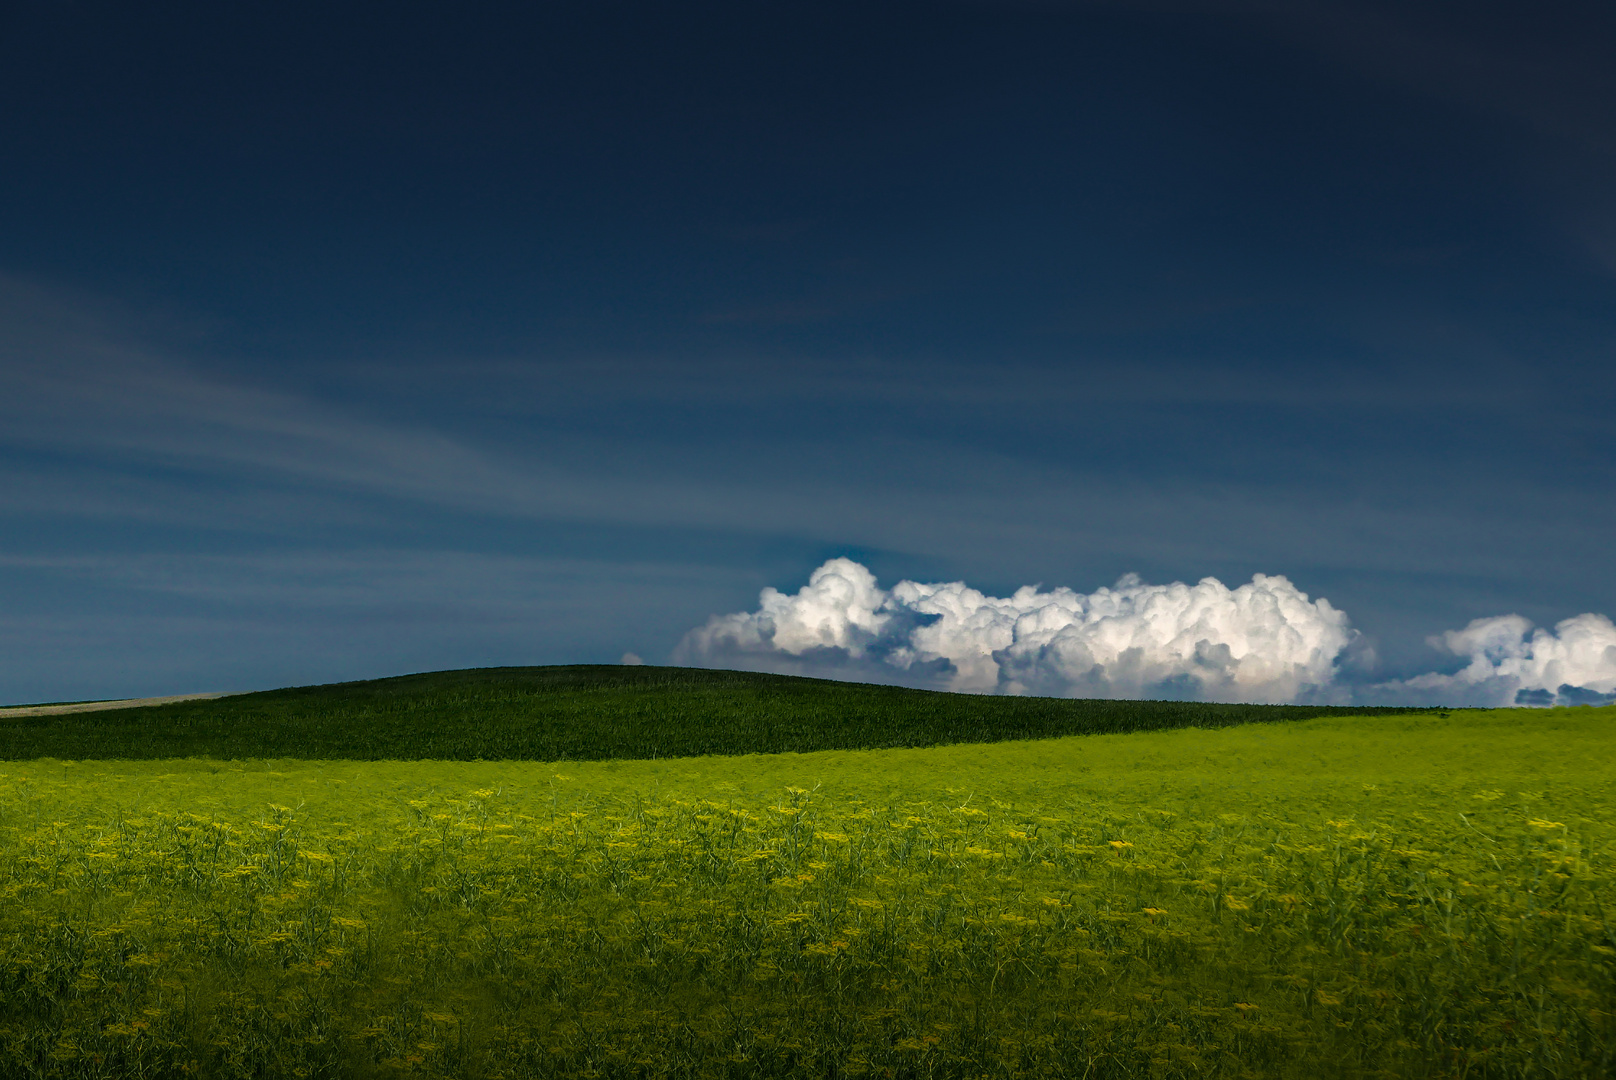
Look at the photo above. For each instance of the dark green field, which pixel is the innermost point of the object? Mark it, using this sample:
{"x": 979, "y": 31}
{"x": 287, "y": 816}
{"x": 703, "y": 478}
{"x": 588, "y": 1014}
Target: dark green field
{"x": 589, "y": 713}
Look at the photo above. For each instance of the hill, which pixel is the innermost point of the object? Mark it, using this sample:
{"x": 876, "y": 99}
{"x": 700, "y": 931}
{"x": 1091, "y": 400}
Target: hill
{"x": 593, "y": 713}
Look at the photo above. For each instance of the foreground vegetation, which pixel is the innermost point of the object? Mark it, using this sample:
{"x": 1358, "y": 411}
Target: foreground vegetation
{"x": 591, "y": 714}
{"x": 1389, "y": 896}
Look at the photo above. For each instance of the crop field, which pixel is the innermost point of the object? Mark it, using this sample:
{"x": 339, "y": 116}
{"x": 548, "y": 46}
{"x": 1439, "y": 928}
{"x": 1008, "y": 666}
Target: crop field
{"x": 591, "y": 713}
{"x": 1397, "y": 896}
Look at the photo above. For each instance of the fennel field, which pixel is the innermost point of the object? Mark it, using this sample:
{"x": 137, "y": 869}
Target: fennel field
{"x": 1388, "y": 896}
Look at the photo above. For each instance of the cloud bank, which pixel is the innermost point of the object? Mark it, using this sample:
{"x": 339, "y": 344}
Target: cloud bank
{"x": 1264, "y": 641}
{"x": 1513, "y": 663}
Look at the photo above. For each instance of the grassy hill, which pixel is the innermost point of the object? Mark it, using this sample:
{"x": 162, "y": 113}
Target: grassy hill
{"x": 593, "y": 713}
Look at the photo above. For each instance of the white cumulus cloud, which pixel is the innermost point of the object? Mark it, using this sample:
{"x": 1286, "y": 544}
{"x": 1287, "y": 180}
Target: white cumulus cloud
{"x": 1264, "y": 641}
{"x": 1513, "y": 663}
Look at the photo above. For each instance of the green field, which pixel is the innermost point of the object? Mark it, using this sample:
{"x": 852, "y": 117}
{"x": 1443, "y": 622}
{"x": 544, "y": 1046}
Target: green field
{"x": 592, "y": 713}
{"x": 1391, "y": 895}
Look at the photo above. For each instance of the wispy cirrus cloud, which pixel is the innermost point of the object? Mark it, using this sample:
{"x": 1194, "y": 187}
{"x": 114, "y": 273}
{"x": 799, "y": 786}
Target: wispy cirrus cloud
{"x": 75, "y": 381}
{"x": 105, "y": 435}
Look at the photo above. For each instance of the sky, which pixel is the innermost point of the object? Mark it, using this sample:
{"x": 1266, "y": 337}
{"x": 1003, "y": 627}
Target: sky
{"x": 340, "y": 341}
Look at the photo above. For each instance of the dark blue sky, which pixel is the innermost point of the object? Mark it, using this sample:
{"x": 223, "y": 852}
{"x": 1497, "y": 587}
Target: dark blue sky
{"x": 338, "y": 341}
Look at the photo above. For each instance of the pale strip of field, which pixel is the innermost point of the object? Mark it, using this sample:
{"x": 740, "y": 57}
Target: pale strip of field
{"x": 97, "y": 706}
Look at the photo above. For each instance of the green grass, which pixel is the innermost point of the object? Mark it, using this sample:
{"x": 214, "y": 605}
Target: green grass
{"x": 1341, "y": 897}
{"x": 592, "y": 713}
{"x": 662, "y": 874}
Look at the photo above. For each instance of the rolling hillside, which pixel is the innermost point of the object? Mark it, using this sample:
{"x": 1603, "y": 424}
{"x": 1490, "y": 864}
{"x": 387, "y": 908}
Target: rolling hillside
{"x": 592, "y": 713}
